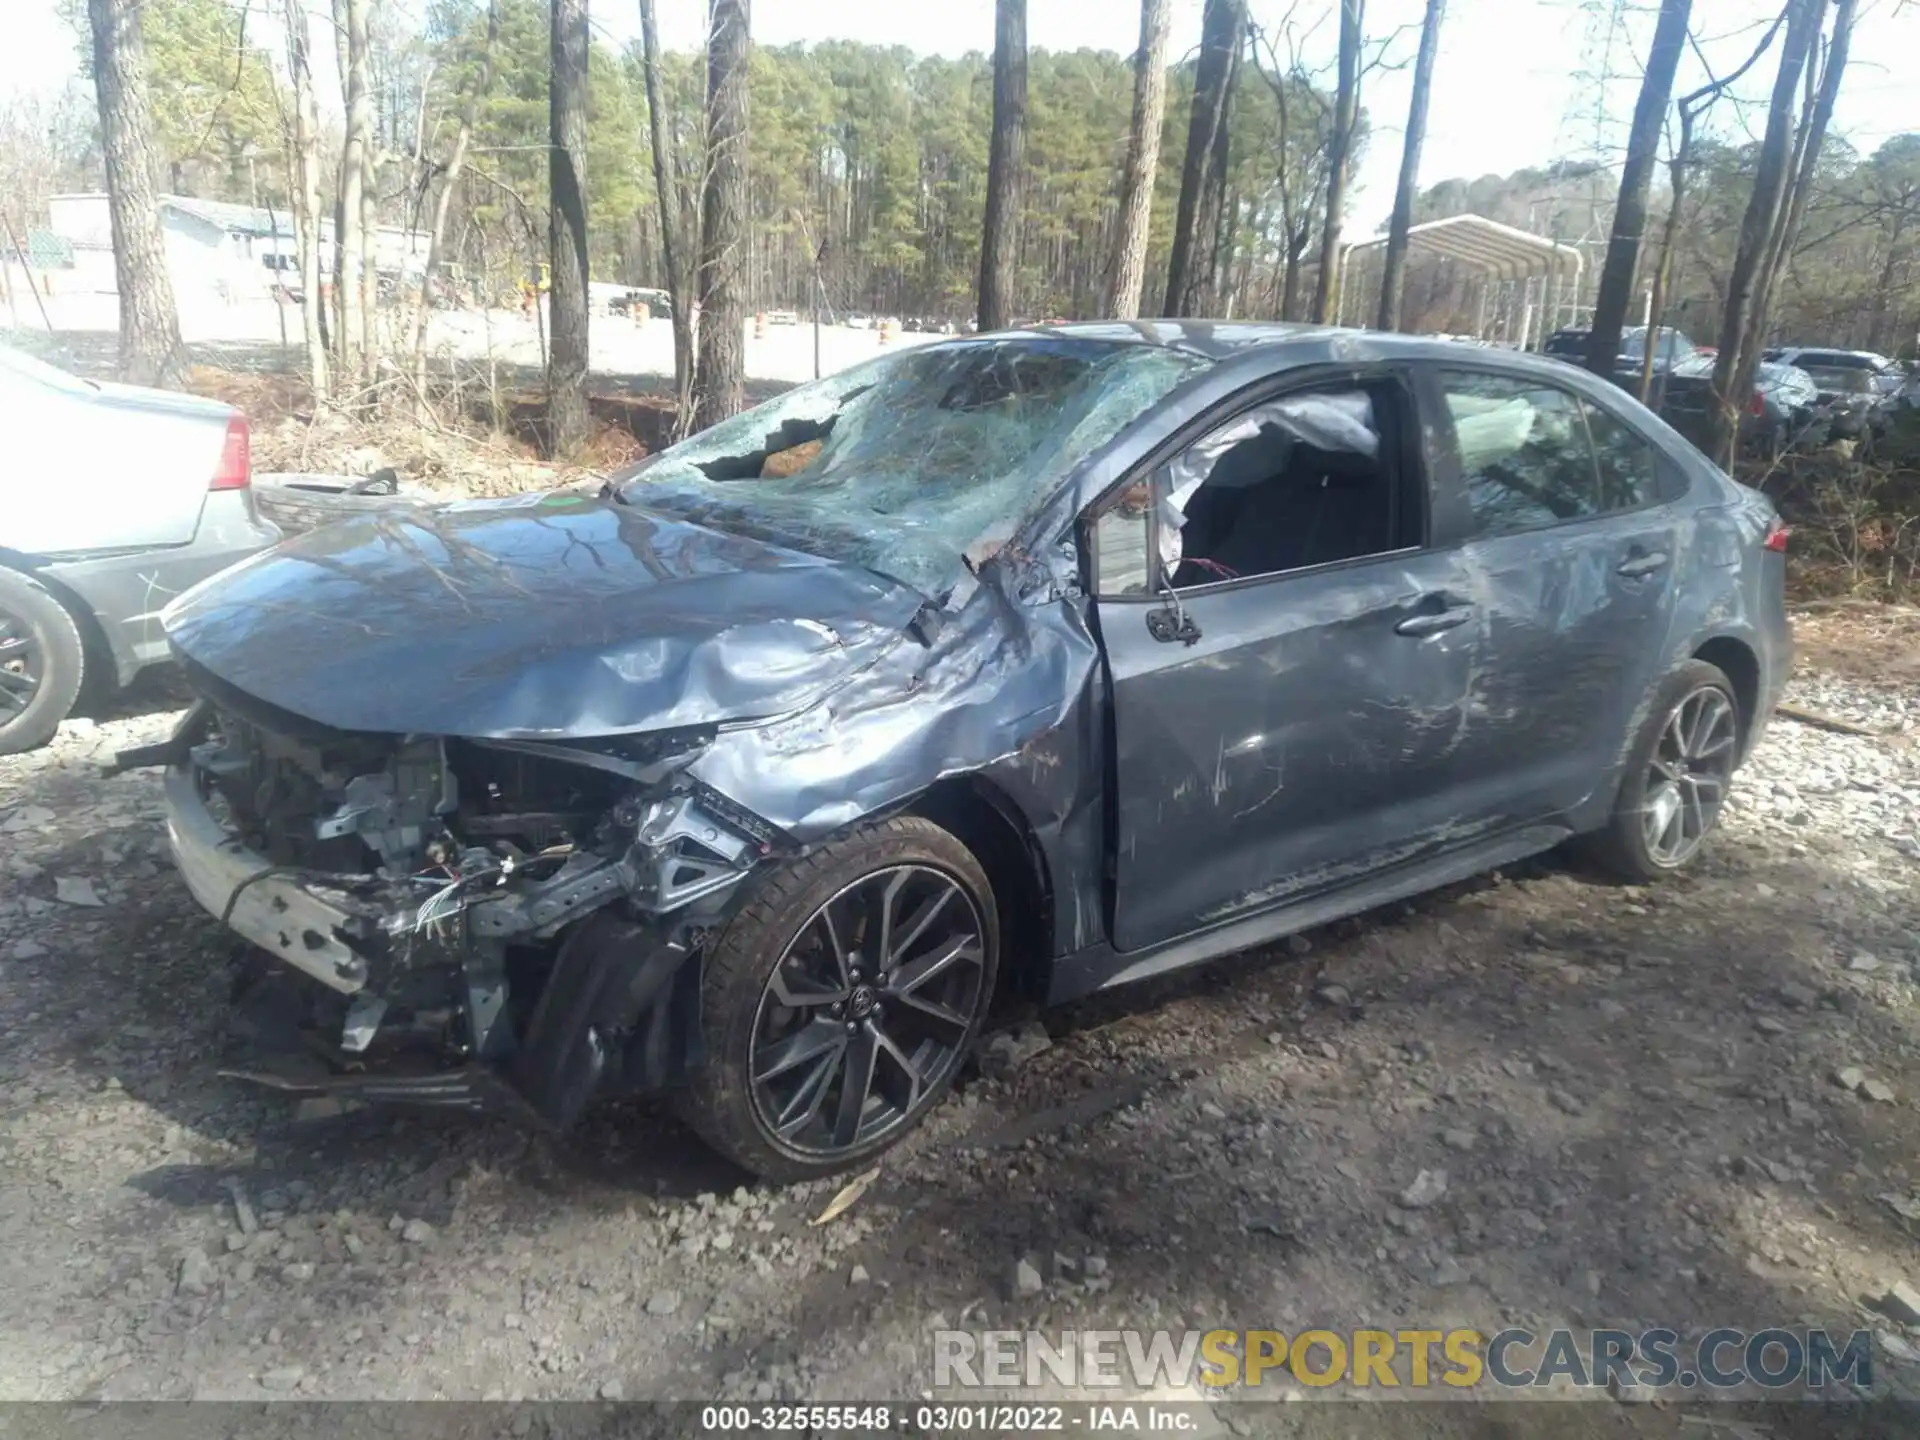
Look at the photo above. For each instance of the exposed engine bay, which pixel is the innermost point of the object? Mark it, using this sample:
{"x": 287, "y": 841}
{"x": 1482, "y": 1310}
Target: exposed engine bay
{"x": 457, "y": 864}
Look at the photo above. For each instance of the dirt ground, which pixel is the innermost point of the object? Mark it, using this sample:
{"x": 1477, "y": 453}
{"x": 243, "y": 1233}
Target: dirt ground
{"x": 1630, "y": 1093}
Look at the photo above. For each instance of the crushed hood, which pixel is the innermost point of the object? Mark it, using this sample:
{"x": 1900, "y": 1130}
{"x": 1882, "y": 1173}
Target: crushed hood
{"x": 548, "y": 615}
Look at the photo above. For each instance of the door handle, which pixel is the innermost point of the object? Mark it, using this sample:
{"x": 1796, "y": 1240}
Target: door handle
{"x": 1418, "y": 625}
{"x": 1635, "y": 566}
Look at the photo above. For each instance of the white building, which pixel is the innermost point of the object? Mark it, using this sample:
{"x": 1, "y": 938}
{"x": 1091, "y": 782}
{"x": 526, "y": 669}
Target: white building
{"x": 213, "y": 249}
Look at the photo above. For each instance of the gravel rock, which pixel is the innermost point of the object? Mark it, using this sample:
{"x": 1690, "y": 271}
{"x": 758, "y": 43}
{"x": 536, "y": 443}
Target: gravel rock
{"x": 1455, "y": 1138}
{"x": 1902, "y": 1302}
{"x": 1027, "y": 1279}
{"x": 417, "y": 1232}
{"x": 663, "y": 1302}
{"x": 196, "y": 1273}
{"x": 76, "y": 890}
{"x": 1797, "y": 996}
{"x": 1005, "y": 1051}
{"x": 1567, "y": 1101}
{"x": 1427, "y": 1188}
{"x": 282, "y": 1377}
{"x": 1849, "y": 1078}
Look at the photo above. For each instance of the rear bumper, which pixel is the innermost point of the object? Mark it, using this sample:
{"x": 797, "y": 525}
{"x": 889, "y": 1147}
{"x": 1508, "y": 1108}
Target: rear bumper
{"x": 126, "y": 591}
{"x": 282, "y": 914}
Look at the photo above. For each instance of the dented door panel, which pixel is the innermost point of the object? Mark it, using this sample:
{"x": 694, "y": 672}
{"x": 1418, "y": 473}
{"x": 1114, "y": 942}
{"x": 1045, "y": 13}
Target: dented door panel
{"x": 1571, "y": 647}
{"x": 1302, "y": 739}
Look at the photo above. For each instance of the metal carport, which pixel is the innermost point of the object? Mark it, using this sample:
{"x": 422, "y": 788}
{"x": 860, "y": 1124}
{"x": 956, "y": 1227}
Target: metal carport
{"x": 1502, "y": 255}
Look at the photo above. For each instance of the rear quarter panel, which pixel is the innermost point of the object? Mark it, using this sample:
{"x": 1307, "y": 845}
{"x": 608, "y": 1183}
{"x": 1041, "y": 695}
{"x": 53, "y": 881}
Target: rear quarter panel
{"x": 113, "y": 469}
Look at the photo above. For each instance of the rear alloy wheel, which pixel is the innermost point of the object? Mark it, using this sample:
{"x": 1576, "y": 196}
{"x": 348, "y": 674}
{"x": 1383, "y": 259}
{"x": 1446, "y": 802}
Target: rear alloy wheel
{"x": 42, "y": 663}
{"x": 1688, "y": 775}
{"x": 841, "y": 1003}
{"x": 1678, "y": 776}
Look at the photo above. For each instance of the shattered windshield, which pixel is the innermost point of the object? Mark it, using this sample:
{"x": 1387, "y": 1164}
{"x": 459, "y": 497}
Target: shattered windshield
{"x": 899, "y": 464}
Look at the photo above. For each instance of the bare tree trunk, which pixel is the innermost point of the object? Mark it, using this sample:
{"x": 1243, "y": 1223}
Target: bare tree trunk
{"x": 1346, "y": 122}
{"x": 350, "y": 327}
{"x": 567, "y": 419}
{"x": 1217, "y": 224}
{"x": 1127, "y": 271}
{"x": 369, "y": 261}
{"x": 416, "y": 344}
{"x": 1679, "y": 169}
{"x": 1196, "y": 220}
{"x": 719, "y": 375}
{"x": 1006, "y": 164}
{"x": 1883, "y": 292}
{"x": 150, "y": 349}
{"x": 1393, "y": 264}
{"x": 1669, "y": 241}
{"x": 675, "y": 252}
{"x": 305, "y": 187}
{"x": 1812, "y": 140}
{"x": 1764, "y": 206}
{"x": 1636, "y": 177}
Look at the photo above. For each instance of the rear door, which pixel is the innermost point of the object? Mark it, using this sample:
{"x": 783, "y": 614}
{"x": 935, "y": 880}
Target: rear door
{"x": 1568, "y": 530}
{"x": 1277, "y": 733}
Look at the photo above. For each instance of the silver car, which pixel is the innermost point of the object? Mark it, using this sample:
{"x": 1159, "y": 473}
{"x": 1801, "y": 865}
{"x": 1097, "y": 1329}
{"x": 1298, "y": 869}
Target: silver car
{"x": 113, "y": 500}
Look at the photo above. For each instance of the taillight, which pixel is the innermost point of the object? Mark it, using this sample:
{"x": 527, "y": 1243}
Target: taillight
{"x": 235, "y": 470}
{"x": 1758, "y": 405}
{"x": 1776, "y": 540}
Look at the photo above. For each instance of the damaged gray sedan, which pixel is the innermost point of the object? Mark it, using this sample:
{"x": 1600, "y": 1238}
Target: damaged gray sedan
{"x": 1032, "y": 663}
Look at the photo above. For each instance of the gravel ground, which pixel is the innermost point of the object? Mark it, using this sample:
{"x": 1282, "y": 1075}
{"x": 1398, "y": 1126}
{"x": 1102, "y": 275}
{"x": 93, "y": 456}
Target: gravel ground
{"x": 1624, "y": 1101}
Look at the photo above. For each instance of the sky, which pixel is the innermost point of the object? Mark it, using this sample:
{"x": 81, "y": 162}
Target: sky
{"x": 1515, "y": 84}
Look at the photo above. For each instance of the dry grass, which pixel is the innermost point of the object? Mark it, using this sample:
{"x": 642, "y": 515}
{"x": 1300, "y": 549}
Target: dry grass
{"x": 454, "y": 450}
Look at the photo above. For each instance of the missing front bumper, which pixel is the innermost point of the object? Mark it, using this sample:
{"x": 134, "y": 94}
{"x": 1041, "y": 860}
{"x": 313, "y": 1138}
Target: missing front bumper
{"x": 288, "y": 917}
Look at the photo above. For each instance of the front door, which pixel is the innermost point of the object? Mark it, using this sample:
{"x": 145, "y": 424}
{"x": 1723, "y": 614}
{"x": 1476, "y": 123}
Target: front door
{"x": 1287, "y": 716}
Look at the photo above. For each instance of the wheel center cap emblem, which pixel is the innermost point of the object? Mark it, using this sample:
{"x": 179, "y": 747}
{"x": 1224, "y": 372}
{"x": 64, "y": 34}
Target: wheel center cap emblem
{"x": 863, "y": 1001}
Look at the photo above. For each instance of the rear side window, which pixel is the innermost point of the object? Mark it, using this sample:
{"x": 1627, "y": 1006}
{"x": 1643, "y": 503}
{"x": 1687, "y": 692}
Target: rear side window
{"x": 1532, "y": 454}
{"x": 1629, "y": 474}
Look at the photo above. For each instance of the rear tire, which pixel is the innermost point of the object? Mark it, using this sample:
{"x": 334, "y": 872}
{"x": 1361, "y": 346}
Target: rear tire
{"x": 42, "y": 663}
{"x": 892, "y": 985}
{"x": 1678, "y": 772}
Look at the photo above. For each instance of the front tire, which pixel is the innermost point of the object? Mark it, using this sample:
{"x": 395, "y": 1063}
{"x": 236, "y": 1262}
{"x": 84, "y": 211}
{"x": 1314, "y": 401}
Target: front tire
{"x": 839, "y": 1004}
{"x": 1679, "y": 771}
{"x": 42, "y": 663}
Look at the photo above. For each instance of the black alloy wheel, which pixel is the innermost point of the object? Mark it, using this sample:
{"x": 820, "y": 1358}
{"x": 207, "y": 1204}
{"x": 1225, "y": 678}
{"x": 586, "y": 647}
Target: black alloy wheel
{"x": 868, "y": 1010}
{"x": 840, "y": 1001}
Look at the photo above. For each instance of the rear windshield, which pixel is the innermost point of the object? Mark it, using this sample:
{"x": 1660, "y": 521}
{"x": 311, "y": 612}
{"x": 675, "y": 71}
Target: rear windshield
{"x": 1847, "y": 382}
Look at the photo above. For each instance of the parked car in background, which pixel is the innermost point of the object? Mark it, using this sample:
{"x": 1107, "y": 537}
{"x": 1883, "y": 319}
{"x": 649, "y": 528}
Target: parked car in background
{"x": 1671, "y": 349}
{"x": 757, "y": 776}
{"x": 1851, "y": 397}
{"x": 1887, "y": 376}
{"x": 114, "y": 499}
{"x": 1784, "y": 408}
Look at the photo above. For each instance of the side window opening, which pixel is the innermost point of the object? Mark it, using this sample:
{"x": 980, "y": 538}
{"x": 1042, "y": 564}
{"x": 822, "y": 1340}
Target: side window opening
{"x": 1311, "y": 478}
